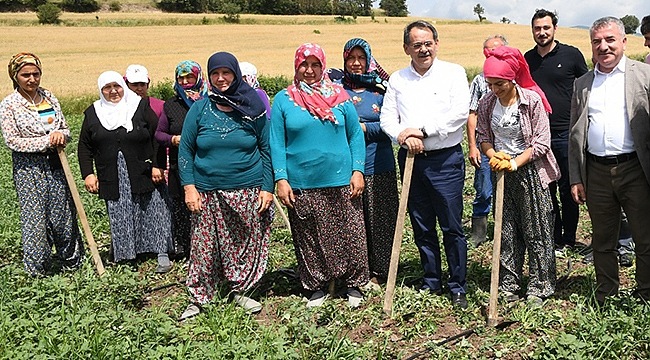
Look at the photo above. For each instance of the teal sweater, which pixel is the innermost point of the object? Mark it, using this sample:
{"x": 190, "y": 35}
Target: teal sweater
{"x": 222, "y": 151}
{"x": 311, "y": 153}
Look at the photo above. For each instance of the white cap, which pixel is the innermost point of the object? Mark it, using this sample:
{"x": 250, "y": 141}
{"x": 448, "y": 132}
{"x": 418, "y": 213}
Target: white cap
{"x": 136, "y": 74}
{"x": 247, "y": 69}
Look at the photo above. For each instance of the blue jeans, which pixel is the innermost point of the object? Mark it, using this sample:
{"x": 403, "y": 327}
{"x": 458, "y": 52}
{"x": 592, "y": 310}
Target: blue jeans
{"x": 566, "y": 218}
{"x": 483, "y": 186}
{"x": 436, "y": 197}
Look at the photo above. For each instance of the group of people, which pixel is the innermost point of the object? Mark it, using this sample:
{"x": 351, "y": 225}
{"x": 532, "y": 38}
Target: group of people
{"x": 194, "y": 176}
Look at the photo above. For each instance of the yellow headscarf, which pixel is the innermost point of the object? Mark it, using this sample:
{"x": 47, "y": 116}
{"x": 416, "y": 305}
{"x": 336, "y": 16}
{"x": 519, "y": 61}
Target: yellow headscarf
{"x": 18, "y": 61}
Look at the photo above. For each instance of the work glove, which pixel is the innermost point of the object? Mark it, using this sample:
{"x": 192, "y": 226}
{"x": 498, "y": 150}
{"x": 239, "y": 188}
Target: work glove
{"x": 501, "y": 155}
{"x": 505, "y": 165}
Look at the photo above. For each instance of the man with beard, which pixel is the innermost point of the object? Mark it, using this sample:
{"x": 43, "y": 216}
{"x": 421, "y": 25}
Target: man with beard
{"x": 425, "y": 110}
{"x": 555, "y": 66}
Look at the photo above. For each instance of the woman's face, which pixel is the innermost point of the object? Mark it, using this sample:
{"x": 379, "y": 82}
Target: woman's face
{"x": 310, "y": 71}
{"x": 221, "y": 78}
{"x": 356, "y": 61}
{"x": 29, "y": 78}
{"x": 502, "y": 88}
{"x": 140, "y": 88}
{"x": 113, "y": 92}
{"x": 186, "y": 81}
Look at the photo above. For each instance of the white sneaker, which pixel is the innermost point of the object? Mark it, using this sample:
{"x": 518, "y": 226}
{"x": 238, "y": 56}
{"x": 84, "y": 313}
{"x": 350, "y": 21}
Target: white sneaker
{"x": 251, "y": 306}
{"x": 355, "y": 298}
{"x": 317, "y": 299}
{"x": 191, "y": 311}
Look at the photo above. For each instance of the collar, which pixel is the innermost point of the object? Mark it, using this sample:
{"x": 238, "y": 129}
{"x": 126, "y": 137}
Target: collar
{"x": 620, "y": 67}
{"x": 417, "y": 74}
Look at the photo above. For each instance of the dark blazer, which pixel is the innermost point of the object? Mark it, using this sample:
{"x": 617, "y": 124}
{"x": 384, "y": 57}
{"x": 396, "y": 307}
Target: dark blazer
{"x": 637, "y": 103}
{"x": 99, "y": 147}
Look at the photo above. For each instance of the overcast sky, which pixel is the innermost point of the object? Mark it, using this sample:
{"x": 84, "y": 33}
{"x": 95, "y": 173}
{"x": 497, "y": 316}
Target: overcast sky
{"x": 570, "y": 12}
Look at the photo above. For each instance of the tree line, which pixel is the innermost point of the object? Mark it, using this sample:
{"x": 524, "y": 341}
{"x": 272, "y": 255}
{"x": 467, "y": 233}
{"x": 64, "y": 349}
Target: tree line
{"x": 352, "y": 8}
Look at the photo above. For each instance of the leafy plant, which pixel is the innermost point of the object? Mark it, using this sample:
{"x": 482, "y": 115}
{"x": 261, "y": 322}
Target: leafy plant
{"x": 114, "y": 6}
{"x": 48, "y": 14}
{"x": 80, "y": 6}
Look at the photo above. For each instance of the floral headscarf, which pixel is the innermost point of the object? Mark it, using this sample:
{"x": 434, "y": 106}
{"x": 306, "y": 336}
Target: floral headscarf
{"x": 508, "y": 63}
{"x": 321, "y": 96}
{"x": 190, "y": 93}
{"x": 239, "y": 96}
{"x": 374, "y": 78}
{"x": 18, "y": 61}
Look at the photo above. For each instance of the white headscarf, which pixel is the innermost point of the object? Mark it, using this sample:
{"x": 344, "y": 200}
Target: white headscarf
{"x": 249, "y": 73}
{"x": 113, "y": 115}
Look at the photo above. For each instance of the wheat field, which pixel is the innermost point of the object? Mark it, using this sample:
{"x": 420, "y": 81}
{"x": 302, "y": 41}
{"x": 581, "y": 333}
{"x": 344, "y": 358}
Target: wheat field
{"x": 73, "y": 56}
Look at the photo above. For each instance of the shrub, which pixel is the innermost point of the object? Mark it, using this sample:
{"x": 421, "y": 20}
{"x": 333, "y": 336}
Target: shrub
{"x": 34, "y": 4}
{"x": 162, "y": 90}
{"x": 11, "y": 5}
{"x": 115, "y": 6}
{"x": 80, "y": 6}
{"x": 231, "y": 12}
{"x": 48, "y": 14}
{"x": 273, "y": 84}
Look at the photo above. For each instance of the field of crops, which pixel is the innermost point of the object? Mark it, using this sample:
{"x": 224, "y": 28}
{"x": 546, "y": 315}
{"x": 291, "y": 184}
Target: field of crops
{"x": 130, "y": 313}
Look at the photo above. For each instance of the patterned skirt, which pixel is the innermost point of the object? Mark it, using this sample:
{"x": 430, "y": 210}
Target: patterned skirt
{"x": 140, "y": 223}
{"x": 230, "y": 243}
{"x": 47, "y": 214}
{"x": 380, "y": 205}
{"x": 329, "y": 237}
{"x": 527, "y": 224}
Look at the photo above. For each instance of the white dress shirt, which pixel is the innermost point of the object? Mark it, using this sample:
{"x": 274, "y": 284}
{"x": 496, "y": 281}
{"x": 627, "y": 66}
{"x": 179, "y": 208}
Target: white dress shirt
{"x": 609, "y": 128}
{"x": 436, "y": 101}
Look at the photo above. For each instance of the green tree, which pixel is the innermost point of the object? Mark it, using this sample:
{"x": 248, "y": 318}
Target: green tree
{"x": 631, "y": 23}
{"x": 505, "y": 20}
{"x": 48, "y": 14}
{"x": 394, "y": 7}
{"x": 479, "y": 11}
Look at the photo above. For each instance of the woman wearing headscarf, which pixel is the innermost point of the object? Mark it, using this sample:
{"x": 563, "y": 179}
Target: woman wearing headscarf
{"x": 117, "y": 140}
{"x": 366, "y": 81}
{"x": 249, "y": 74}
{"x": 225, "y": 169}
{"x": 514, "y": 134}
{"x": 318, "y": 156}
{"x": 33, "y": 127}
{"x": 189, "y": 87}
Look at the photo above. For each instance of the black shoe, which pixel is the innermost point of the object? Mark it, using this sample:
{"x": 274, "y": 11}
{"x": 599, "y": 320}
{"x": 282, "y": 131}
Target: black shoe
{"x": 589, "y": 258}
{"x": 626, "y": 260}
{"x": 459, "y": 300}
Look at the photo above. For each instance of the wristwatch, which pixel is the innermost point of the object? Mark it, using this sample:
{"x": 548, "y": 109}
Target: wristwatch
{"x": 424, "y": 133}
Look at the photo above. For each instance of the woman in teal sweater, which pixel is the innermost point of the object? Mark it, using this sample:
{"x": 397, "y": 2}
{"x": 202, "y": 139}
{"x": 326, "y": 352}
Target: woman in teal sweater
{"x": 318, "y": 153}
{"x": 225, "y": 169}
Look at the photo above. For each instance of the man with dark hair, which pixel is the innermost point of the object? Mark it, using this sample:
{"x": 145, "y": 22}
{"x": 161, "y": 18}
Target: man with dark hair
{"x": 424, "y": 111}
{"x": 555, "y": 66}
{"x": 609, "y": 161}
{"x": 645, "y": 31}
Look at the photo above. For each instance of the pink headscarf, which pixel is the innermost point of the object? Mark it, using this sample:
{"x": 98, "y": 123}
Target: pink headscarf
{"x": 321, "y": 96}
{"x": 508, "y": 63}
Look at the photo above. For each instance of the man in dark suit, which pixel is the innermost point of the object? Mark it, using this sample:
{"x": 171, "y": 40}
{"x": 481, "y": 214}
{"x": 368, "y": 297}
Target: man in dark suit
{"x": 609, "y": 153}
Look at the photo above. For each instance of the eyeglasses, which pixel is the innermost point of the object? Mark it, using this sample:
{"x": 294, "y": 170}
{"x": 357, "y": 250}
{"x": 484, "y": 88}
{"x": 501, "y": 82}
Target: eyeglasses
{"x": 418, "y": 45}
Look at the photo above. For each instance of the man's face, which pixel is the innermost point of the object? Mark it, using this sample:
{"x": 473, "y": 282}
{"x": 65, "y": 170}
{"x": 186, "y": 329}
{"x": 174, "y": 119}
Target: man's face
{"x": 421, "y": 48}
{"x": 544, "y": 31}
{"x": 607, "y": 46}
{"x": 647, "y": 39}
{"x": 492, "y": 44}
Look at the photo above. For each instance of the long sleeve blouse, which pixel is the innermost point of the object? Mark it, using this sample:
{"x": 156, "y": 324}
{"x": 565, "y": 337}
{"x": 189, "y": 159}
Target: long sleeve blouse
{"x": 379, "y": 148}
{"x": 222, "y": 151}
{"x": 98, "y": 148}
{"x": 22, "y": 128}
{"x": 535, "y": 129}
{"x": 311, "y": 153}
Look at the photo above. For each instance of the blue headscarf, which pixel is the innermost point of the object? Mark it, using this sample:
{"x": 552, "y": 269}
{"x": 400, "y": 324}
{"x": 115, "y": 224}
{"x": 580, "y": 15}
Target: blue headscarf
{"x": 194, "y": 92}
{"x": 374, "y": 78}
{"x": 239, "y": 96}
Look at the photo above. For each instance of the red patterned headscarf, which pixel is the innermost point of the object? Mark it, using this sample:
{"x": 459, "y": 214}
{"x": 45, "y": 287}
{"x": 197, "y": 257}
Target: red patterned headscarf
{"x": 321, "y": 96}
{"x": 505, "y": 62}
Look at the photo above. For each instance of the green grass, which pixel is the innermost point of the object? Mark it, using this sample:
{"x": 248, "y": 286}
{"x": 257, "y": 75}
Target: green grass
{"x": 132, "y": 314}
